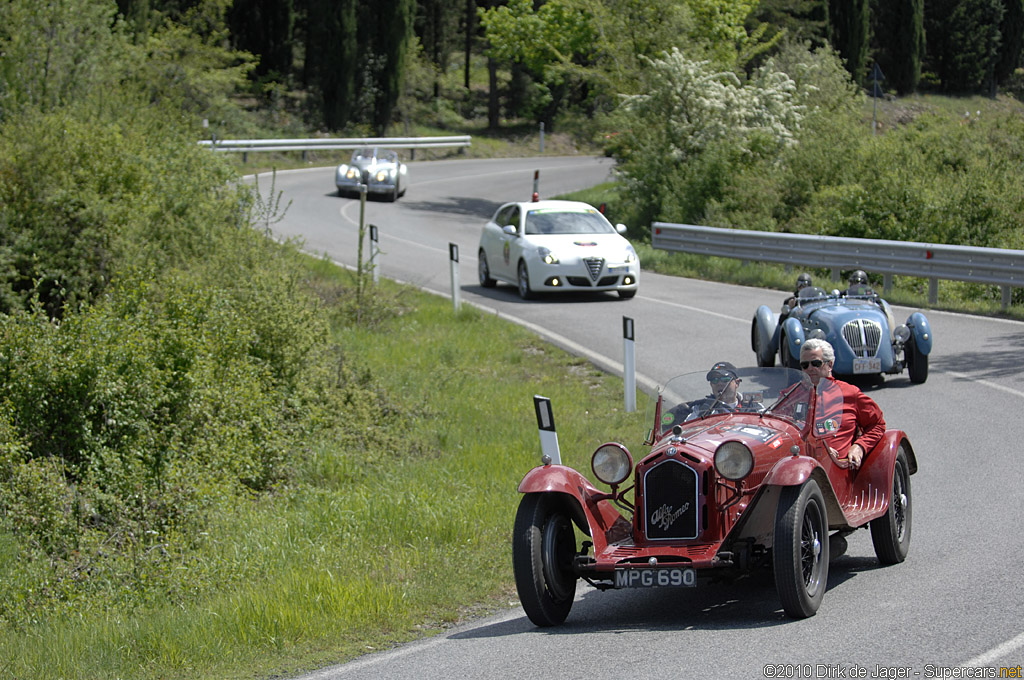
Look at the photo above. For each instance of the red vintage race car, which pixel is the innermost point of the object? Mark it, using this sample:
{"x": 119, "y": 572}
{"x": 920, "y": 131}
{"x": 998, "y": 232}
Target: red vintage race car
{"x": 725, "y": 489}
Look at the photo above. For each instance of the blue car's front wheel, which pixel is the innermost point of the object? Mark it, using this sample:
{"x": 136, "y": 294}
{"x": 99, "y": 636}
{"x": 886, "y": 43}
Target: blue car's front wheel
{"x": 917, "y": 363}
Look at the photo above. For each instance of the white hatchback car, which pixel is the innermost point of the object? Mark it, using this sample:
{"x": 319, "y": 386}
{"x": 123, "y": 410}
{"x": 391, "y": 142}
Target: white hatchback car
{"x": 546, "y": 246}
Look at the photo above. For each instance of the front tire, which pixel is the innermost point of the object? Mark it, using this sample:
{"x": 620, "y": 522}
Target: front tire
{"x": 483, "y": 270}
{"x": 917, "y": 363}
{"x": 524, "y": 282}
{"x": 543, "y": 548}
{"x": 800, "y": 551}
{"x": 764, "y": 360}
{"x": 890, "y": 533}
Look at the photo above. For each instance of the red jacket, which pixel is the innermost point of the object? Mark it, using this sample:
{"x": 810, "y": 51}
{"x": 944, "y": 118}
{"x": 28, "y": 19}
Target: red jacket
{"x": 862, "y": 422}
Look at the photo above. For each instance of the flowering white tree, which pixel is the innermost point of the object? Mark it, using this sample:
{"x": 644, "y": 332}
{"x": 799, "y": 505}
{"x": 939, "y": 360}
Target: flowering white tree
{"x": 694, "y": 119}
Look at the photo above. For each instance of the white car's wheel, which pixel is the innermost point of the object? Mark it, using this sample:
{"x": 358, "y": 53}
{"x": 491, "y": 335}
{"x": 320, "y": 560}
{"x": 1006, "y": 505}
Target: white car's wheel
{"x": 525, "y": 291}
{"x": 483, "y": 270}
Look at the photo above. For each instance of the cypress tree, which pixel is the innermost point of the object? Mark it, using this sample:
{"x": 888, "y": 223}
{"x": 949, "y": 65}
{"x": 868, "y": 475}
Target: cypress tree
{"x": 331, "y": 49}
{"x": 965, "y": 45}
{"x": 899, "y": 40}
{"x": 264, "y": 28}
{"x": 1012, "y": 39}
{"x": 848, "y": 32}
{"x": 385, "y": 29}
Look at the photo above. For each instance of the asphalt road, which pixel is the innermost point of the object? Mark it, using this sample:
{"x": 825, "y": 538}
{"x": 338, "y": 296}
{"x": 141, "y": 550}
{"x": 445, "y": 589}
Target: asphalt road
{"x": 955, "y": 602}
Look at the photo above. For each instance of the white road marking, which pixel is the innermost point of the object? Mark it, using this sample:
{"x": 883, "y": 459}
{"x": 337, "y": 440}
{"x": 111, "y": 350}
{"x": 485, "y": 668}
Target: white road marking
{"x": 996, "y": 653}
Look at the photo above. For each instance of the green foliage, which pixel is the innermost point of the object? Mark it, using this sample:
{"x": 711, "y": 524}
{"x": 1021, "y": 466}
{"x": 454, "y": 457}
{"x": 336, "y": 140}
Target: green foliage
{"x": 965, "y": 48}
{"x": 849, "y": 27}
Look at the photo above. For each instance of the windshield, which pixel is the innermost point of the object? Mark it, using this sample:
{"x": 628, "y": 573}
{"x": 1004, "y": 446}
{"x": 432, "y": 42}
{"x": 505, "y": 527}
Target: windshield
{"x": 777, "y": 392}
{"x": 561, "y": 221}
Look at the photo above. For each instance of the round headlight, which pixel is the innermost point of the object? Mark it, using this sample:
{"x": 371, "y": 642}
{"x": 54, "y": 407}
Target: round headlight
{"x": 733, "y": 460}
{"x": 902, "y": 333}
{"x": 817, "y": 334}
{"x": 382, "y": 175}
{"x": 612, "y": 463}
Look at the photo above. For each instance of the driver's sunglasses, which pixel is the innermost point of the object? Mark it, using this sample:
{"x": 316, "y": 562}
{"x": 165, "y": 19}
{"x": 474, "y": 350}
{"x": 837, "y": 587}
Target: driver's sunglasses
{"x": 721, "y": 379}
{"x": 813, "y": 362}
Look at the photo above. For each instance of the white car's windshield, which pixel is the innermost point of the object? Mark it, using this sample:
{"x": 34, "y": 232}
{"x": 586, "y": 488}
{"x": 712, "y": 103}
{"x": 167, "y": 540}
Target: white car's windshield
{"x": 560, "y": 221}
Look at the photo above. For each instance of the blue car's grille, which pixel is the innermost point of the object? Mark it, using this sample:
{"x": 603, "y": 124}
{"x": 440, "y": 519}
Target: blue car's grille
{"x": 863, "y": 336}
{"x": 594, "y": 265}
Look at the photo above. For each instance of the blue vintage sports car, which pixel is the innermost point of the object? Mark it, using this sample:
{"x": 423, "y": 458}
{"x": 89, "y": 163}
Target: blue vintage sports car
{"x": 860, "y": 328}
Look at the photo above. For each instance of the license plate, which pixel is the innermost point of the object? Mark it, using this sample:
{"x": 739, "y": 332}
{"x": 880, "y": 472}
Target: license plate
{"x": 618, "y": 269}
{"x": 867, "y": 365}
{"x": 656, "y": 578}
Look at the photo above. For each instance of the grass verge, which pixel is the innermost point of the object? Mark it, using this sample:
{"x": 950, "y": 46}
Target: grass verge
{"x": 370, "y": 545}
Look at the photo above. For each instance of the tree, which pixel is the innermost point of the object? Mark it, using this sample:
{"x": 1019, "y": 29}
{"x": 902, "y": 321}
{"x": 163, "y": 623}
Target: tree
{"x": 848, "y": 33}
{"x": 1012, "y": 39}
{"x": 385, "y": 29}
{"x": 899, "y": 41}
{"x": 264, "y": 28}
{"x": 437, "y": 23}
{"x": 331, "y": 49}
{"x": 965, "y": 43}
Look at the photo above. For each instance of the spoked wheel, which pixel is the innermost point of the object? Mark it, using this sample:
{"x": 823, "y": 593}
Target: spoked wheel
{"x": 800, "y": 552}
{"x": 524, "y": 282}
{"x": 891, "y": 532}
{"x": 543, "y": 548}
{"x": 483, "y": 270}
{"x": 917, "y": 363}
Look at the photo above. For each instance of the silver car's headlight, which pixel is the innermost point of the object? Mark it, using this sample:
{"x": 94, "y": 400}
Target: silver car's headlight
{"x": 611, "y": 463}
{"x": 734, "y": 460}
{"x": 352, "y": 173}
{"x": 382, "y": 175}
{"x": 547, "y": 256}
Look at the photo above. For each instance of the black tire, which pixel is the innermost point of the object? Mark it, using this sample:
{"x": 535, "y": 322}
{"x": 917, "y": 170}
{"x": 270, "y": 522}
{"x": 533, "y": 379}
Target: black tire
{"x": 917, "y": 363}
{"x": 393, "y": 196}
{"x": 891, "y": 532}
{"x": 543, "y": 547}
{"x": 755, "y": 343}
{"x": 800, "y": 550}
{"x": 785, "y": 358}
{"x": 524, "y": 282}
{"x": 627, "y": 294}
{"x": 483, "y": 270}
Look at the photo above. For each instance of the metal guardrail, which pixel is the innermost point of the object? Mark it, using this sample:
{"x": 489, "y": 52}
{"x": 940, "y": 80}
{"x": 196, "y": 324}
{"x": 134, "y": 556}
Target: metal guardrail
{"x": 327, "y": 144}
{"x": 995, "y": 266}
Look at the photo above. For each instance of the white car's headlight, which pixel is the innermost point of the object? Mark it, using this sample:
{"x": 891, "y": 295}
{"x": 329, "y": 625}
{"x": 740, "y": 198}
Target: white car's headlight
{"x": 630, "y": 255}
{"x": 611, "y": 463}
{"x": 734, "y": 460}
{"x": 547, "y": 256}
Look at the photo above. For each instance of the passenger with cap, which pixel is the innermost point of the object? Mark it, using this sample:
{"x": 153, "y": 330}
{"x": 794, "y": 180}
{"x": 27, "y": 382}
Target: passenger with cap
{"x": 725, "y": 396}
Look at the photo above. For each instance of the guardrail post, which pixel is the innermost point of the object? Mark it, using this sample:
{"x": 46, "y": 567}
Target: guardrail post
{"x": 546, "y": 426}
{"x": 453, "y": 257}
{"x": 886, "y": 283}
{"x": 629, "y": 364}
{"x": 835, "y": 274}
{"x": 1007, "y": 297}
{"x": 542, "y": 136}
{"x": 933, "y": 291}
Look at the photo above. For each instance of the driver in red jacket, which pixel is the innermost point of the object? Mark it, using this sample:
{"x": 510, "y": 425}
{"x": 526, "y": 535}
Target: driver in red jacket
{"x": 861, "y": 426}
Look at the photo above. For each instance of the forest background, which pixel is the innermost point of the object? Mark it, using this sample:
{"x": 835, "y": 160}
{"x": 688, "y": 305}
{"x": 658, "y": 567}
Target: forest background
{"x": 215, "y": 457}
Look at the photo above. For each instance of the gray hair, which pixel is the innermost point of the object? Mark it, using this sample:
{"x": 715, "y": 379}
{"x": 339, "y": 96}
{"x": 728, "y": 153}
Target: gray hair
{"x": 827, "y": 353}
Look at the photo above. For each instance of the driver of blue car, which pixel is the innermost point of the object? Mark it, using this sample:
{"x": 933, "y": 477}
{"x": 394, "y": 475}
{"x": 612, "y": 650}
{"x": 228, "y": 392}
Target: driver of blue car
{"x": 725, "y": 396}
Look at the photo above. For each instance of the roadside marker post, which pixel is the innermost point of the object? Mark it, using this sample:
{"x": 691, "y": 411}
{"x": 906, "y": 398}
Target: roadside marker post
{"x": 453, "y": 257}
{"x": 546, "y": 426}
{"x": 629, "y": 363}
{"x": 374, "y": 249}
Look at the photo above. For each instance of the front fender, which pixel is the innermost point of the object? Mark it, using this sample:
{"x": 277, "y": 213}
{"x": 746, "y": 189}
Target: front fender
{"x": 590, "y": 508}
{"x": 922, "y": 332}
{"x": 794, "y": 331}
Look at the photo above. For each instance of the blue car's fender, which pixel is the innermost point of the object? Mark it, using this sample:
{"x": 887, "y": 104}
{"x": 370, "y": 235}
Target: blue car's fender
{"x": 764, "y": 336}
{"x": 921, "y": 330}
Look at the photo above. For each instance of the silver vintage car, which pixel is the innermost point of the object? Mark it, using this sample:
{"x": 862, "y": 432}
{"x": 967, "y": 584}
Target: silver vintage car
{"x": 379, "y": 169}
